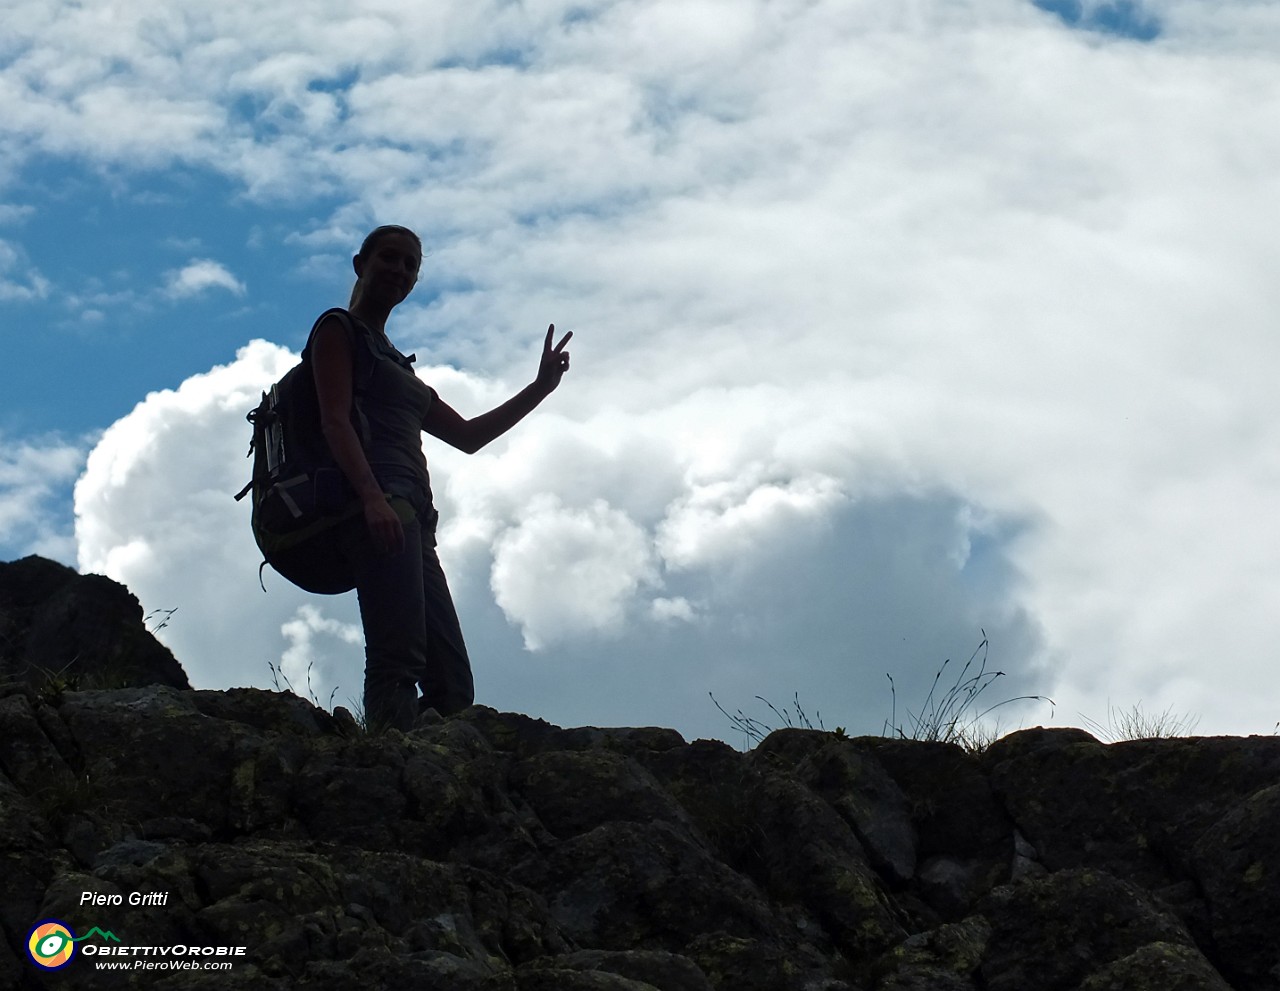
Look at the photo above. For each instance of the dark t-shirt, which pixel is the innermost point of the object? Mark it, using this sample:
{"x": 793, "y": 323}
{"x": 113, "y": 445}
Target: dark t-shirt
{"x": 390, "y": 404}
{"x": 394, "y": 404}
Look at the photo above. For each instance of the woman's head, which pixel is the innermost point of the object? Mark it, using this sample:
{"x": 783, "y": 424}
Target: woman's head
{"x": 388, "y": 262}
{"x": 374, "y": 236}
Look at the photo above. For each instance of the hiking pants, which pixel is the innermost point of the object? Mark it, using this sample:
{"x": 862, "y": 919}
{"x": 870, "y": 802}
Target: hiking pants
{"x": 411, "y": 632}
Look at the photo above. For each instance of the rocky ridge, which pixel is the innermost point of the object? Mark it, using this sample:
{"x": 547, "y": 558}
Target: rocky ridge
{"x": 496, "y": 852}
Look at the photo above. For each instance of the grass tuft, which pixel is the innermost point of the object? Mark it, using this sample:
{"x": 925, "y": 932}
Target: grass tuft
{"x": 353, "y": 710}
{"x": 160, "y": 618}
{"x": 278, "y": 675}
{"x": 755, "y": 730}
{"x": 949, "y": 715}
{"x": 1135, "y": 724}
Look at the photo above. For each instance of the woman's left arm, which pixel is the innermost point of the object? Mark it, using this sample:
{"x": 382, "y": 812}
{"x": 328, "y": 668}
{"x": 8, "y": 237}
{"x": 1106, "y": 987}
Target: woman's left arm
{"x": 444, "y": 422}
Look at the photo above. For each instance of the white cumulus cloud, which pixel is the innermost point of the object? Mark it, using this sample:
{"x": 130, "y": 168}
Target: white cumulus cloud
{"x": 199, "y": 276}
{"x": 154, "y": 510}
{"x": 562, "y": 572}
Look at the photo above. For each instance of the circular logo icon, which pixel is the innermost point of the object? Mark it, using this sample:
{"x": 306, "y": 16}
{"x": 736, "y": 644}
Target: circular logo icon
{"x": 51, "y": 944}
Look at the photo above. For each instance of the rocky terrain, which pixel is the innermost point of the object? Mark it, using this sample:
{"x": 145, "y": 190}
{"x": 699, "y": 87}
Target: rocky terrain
{"x": 495, "y": 852}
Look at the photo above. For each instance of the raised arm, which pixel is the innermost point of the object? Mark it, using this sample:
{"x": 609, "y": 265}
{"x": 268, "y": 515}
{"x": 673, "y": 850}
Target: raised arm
{"x": 331, "y": 365}
{"x": 446, "y": 423}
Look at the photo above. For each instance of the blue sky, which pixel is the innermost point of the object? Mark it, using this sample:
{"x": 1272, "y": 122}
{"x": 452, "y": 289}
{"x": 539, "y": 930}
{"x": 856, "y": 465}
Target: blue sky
{"x": 1125, "y": 18}
{"x": 892, "y": 325}
{"x": 111, "y": 246}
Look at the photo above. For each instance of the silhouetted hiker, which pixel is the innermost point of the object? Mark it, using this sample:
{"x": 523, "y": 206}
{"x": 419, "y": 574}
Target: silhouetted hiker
{"x": 411, "y": 630}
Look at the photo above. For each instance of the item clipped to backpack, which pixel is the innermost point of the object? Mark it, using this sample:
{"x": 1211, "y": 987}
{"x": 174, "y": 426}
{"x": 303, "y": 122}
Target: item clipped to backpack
{"x": 298, "y": 492}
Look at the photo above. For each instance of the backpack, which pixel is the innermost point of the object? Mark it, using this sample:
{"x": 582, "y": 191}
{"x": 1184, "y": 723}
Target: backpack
{"x": 298, "y": 492}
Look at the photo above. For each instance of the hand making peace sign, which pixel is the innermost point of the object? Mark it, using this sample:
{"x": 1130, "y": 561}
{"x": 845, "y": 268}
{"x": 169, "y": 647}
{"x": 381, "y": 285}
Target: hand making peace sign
{"x": 555, "y": 361}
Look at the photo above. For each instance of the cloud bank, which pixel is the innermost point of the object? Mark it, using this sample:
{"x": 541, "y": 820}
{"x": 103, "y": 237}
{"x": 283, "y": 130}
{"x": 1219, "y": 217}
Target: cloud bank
{"x": 682, "y": 590}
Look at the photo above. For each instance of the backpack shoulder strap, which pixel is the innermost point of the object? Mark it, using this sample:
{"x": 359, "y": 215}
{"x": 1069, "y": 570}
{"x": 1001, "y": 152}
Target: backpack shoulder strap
{"x": 364, "y": 349}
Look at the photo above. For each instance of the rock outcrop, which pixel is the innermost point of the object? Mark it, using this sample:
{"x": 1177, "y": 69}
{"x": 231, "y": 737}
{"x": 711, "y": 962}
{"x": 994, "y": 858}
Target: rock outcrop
{"x": 62, "y": 628}
{"x": 495, "y": 852}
